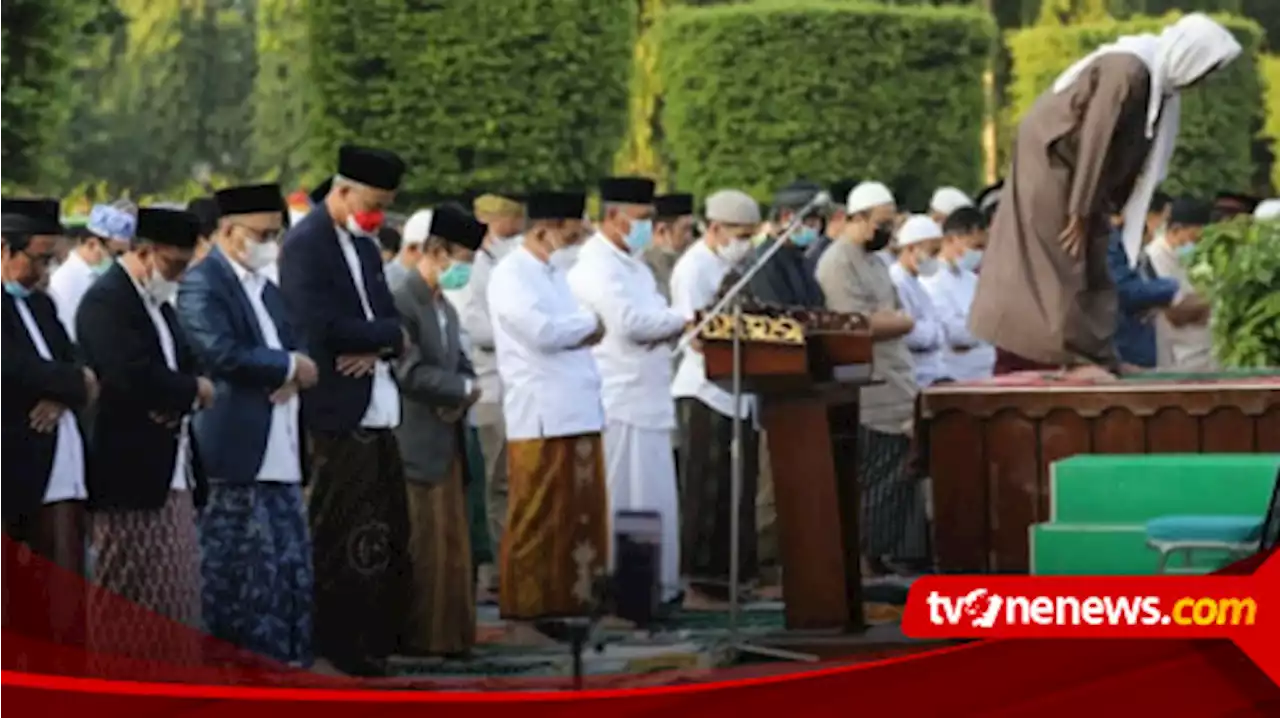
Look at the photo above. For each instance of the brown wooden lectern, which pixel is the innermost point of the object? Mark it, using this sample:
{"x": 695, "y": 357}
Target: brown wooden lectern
{"x": 807, "y": 383}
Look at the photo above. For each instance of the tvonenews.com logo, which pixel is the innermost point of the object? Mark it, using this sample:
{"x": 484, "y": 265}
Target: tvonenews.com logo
{"x": 982, "y": 609}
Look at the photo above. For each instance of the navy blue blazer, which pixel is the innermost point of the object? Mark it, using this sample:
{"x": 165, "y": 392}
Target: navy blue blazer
{"x": 223, "y": 331}
{"x": 1138, "y": 291}
{"x": 325, "y": 305}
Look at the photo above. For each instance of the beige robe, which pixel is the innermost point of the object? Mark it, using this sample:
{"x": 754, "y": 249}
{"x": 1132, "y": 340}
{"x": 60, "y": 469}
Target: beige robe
{"x": 1078, "y": 152}
{"x": 1188, "y": 348}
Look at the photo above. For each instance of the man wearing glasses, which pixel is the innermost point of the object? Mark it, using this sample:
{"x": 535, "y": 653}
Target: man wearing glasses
{"x": 255, "y": 544}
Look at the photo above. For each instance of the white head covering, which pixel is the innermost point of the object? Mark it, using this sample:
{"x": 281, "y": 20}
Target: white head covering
{"x": 918, "y": 228}
{"x": 1181, "y": 54}
{"x": 732, "y": 206}
{"x": 867, "y": 195}
{"x": 417, "y": 228}
{"x": 948, "y": 199}
{"x": 1267, "y": 209}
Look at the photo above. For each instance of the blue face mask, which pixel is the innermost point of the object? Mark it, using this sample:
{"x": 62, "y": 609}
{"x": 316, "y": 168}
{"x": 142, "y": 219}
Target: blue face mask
{"x": 970, "y": 260}
{"x": 456, "y": 276}
{"x": 103, "y": 266}
{"x": 640, "y": 236}
{"x": 804, "y": 236}
{"x": 1186, "y": 250}
{"x": 17, "y": 290}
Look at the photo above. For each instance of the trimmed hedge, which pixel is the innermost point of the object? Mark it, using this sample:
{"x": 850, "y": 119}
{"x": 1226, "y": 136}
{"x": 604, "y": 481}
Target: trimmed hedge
{"x": 474, "y": 94}
{"x": 755, "y": 96}
{"x": 1220, "y": 120}
{"x": 1271, "y": 78}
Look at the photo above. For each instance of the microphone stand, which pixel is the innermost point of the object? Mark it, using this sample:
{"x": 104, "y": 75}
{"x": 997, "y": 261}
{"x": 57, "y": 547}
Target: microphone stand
{"x": 733, "y": 297}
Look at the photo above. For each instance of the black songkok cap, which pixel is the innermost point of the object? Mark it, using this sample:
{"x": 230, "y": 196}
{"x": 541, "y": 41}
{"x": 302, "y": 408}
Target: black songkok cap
{"x": 562, "y": 205}
{"x": 797, "y": 194}
{"x": 1234, "y": 200}
{"x": 627, "y": 190}
{"x": 1190, "y": 212}
{"x": 671, "y": 206}
{"x": 453, "y": 225}
{"x": 206, "y": 211}
{"x": 321, "y": 191}
{"x": 377, "y": 168}
{"x": 172, "y": 227}
{"x": 250, "y": 199}
{"x": 30, "y": 216}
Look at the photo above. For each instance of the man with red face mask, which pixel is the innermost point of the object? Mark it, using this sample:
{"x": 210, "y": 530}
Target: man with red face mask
{"x": 331, "y": 274}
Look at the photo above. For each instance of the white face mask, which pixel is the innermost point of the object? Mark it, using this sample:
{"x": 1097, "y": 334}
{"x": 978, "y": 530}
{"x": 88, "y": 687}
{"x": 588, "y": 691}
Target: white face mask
{"x": 565, "y": 257}
{"x": 735, "y": 251}
{"x": 970, "y": 259}
{"x": 258, "y": 255}
{"x": 161, "y": 290}
{"x": 928, "y": 266}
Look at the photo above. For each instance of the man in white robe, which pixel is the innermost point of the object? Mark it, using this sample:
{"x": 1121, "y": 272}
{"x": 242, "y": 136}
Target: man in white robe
{"x": 1184, "y": 341}
{"x": 108, "y": 234}
{"x": 965, "y": 357}
{"x": 919, "y": 240}
{"x": 611, "y": 279}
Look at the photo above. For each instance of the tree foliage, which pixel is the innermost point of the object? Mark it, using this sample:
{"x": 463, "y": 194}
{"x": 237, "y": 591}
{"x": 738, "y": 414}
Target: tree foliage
{"x": 281, "y": 91}
{"x": 1237, "y": 266}
{"x": 475, "y": 94}
{"x": 758, "y": 95}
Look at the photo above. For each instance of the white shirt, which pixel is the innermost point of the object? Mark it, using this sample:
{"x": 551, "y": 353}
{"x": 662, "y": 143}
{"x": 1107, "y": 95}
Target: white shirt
{"x": 1188, "y": 347}
{"x": 182, "y": 461}
{"x": 694, "y": 282}
{"x": 635, "y": 378}
{"x": 66, "y": 476}
{"x": 965, "y": 357}
{"x": 282, "y": 460}
{"x": 551, "y": 388}
{"x": 476, "y": 320}
{"x": 68, "y": 285}
{"x": 926, "y": 338}
{"x": 384, "y": 400}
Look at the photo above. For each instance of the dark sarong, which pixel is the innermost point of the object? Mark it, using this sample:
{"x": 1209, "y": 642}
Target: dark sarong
{"x": 152, "y": 559}
{"x": 477, "y": 511}
{"x": 441, "y": 619}
{"x": 256, "y": 564}
{"x": 44, "y": 572}
{"x": 557, "y": 535}
{"x": 1010, "y": 363}
{"x": 360, "y": 534}
{"x": 707, "y": 470}
{"x": 894, "y": 524}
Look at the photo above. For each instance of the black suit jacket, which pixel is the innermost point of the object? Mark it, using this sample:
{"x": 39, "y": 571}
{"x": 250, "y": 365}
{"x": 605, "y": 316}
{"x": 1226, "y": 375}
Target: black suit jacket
{"x": 29, "y": 379}
{"x": 325, "y": 305}
{"x": 132, "y": 456}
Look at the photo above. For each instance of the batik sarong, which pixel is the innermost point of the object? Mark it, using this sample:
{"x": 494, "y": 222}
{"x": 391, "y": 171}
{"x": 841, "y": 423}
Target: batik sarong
{"x": 894, "y": 523}
{"x": 555, "y": 546}
{"x": 441, "y": 619}
{"x": 150, "y": 558}
{"x": 359, "y": 535}
{"x": 706, "y": 437}
{"x": 256, "y": 564}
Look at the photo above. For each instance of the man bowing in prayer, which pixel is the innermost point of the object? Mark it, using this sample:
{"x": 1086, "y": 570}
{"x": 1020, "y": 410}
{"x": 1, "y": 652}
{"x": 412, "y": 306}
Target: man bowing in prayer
{"x": 634, "y": 360}
{"x": 106, "y": 237}
{"x": 145, "y": 477}
{"x": 672, "y": 233}
{"x": 255, "y": 546}
{"x": 556, "y": 541}
{"x": 44, "y": 453}
{"x": 1098, "y": 141}
{"x": 437, "y": 387}
{"x": 332, "y": 278}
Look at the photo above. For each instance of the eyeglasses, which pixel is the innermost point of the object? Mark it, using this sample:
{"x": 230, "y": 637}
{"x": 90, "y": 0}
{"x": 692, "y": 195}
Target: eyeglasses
{"x": 42, "y": 258}
{"x": 263, "y": 237}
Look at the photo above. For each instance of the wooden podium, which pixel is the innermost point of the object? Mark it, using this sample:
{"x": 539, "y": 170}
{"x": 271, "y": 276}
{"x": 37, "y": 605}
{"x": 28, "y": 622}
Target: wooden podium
{"x": 806, "y": 370}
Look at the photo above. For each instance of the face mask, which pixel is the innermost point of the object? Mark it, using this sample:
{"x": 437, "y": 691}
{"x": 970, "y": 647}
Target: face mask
{"x": 366, "y": 223}
{"x": 880, "y": 240}
{"x": 16, "y": 290}
{"x": 735, "y": 251}
{"x": 1186, "y": 250}
{"x": 640, "y": 236}
{"x": 804, "y": 236}
{"x": 970, "y": 259}
{"x": 161, "y": 290}
{"x": 927, "y": 266}
{"x": 565, "y": 257}
{"x": 456, "y": 276}
{"x": 260, "y": 254}
{"x": 103, "y": 266}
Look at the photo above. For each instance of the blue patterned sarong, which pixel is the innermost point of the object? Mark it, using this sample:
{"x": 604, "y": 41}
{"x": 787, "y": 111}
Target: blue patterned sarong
{"x": 256, "y": 563}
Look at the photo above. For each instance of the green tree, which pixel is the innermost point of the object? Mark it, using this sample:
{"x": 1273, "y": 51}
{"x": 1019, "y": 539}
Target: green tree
{"x": 281, "y": 91}
{"x": 37, "y": 37}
